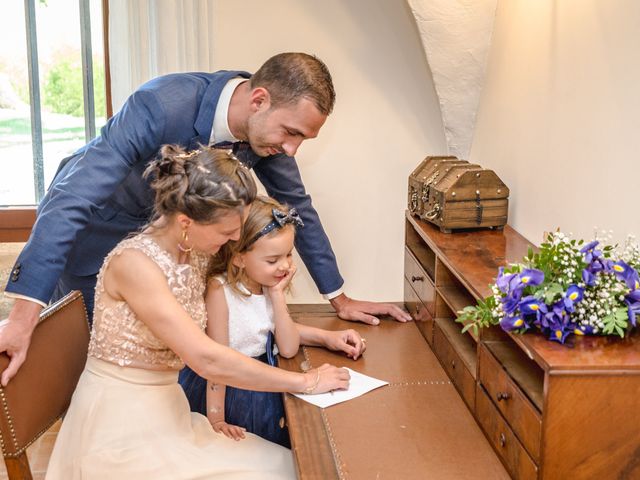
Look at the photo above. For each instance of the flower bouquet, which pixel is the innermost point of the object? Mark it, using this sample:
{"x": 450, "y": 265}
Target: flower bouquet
{"x": 567, "y": 287}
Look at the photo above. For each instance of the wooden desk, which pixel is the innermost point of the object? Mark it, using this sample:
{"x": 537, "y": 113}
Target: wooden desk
{"x": 417, "y": 427}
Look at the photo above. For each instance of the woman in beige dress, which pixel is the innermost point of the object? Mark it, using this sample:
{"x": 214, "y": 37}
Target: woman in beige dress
{"x": 129, "y": 418}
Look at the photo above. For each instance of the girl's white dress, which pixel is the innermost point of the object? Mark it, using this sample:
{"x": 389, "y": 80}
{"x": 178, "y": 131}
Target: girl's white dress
{"x": 129, "y": 421}
{"x": 250, "y": 319}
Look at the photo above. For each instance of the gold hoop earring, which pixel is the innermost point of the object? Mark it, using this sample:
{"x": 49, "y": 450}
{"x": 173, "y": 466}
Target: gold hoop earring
{"x": 185, "y": 239}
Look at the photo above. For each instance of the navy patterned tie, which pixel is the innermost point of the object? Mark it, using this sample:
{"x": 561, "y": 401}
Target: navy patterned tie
{"x": 233, "y": 146}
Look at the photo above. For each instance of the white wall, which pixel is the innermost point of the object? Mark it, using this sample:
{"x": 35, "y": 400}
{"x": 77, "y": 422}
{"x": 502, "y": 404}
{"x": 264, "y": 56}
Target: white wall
{"x": 558, "y": 117}
{"x": 386, "y": 119}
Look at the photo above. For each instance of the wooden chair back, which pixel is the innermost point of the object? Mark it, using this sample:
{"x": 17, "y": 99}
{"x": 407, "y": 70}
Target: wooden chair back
{"x": 41, "y": 391}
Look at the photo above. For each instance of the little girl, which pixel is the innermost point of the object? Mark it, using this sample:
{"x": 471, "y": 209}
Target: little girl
{"x": 247, "y": 310}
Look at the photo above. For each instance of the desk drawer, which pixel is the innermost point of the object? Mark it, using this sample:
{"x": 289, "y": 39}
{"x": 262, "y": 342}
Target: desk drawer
{"x": 420, "y": 281}
{"x": 456, "y": 369}
{"x": 516, "y": 408}
{"x": 419, "y": 313}
{"x": 504, "y": 441}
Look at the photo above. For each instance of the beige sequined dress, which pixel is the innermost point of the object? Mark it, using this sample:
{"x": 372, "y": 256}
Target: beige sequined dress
{"x": 129, "y": 418}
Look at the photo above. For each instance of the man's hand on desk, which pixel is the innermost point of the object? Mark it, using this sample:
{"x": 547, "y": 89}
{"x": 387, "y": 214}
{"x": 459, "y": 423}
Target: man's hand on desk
{"x": 361, "y": 311}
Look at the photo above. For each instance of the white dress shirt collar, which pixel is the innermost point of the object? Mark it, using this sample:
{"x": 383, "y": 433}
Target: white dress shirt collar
{"x": 220, "y": 131}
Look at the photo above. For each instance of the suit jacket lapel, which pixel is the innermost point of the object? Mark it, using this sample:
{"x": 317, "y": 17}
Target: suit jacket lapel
{"x": 208, "y": 105}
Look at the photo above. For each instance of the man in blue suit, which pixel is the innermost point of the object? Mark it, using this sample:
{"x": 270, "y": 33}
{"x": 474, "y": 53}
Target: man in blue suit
{"x": 98, "y": 195}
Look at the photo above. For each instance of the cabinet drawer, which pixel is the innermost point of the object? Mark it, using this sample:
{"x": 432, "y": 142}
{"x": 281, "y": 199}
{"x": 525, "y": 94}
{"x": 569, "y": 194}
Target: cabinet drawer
{"x": 516, "y": 408}
{"x": 419, "y": 281}
{"x": 456, "y": 369}
{"x": 419, "y": 313}
{"x": 504, "y": 441}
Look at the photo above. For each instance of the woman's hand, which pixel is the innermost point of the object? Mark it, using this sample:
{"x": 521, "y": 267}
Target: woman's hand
{"x": 347, "y": 341}
{"x": 325, "y": 379}
{"x": 234, "y": 432}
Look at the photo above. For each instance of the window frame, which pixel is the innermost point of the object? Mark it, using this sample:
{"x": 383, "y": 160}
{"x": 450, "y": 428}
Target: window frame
{"x": 16, "y": 222}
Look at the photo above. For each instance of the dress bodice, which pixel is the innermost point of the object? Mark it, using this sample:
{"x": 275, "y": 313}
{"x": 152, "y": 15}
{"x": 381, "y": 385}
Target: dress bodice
{"x": 118, "y": 336}
{"x": 250, "y": 320}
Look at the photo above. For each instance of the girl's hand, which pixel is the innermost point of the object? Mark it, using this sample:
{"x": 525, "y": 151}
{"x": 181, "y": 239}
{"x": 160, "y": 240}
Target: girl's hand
{"x": 325, "y": 379}
{"x": 234, "y": 432}
{"x": 284, "y": 282}
{"x": 347, "y": 341}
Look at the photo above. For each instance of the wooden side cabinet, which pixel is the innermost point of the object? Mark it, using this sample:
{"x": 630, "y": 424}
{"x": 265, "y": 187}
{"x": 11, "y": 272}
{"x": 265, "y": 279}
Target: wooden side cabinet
{"x": 549, "y": 411}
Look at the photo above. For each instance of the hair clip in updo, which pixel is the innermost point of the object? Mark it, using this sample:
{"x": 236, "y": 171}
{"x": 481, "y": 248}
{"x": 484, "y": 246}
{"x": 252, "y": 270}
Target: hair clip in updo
{"x": 280, "y": 219}
{"x": 188, "y": 155}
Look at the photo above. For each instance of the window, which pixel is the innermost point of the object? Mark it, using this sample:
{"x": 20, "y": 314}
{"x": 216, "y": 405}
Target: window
{"x": 52, "y": 90}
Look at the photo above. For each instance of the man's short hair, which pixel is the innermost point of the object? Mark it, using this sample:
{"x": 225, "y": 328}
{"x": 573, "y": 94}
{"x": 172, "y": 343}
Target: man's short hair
{"x": 288, "y": 77}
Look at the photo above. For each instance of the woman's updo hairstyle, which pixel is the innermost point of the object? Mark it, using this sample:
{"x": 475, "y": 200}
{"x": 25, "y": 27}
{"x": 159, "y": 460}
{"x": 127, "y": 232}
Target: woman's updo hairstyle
{"x": 202, "y": 184}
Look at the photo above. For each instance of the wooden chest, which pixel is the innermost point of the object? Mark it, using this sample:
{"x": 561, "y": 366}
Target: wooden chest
{"x": 423, "y": 176}
{"x": 455, "y": 194}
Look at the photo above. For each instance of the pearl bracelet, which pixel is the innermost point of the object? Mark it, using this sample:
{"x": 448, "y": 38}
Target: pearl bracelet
{"x": 309, "y": 390}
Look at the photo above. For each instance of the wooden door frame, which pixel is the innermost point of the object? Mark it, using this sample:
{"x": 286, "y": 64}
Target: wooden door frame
{"x": 16, "y": 223}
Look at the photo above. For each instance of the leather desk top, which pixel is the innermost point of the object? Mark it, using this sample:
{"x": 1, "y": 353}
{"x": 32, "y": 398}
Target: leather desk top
{"x": 417, "y": 427}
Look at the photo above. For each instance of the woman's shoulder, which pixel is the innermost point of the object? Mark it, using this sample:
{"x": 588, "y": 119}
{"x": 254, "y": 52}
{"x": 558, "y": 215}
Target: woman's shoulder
{"x": 131, "y": 257}
{"x": 140, "y": 249}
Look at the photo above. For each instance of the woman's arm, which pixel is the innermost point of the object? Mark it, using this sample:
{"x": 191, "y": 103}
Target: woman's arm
{"x": 347, "y": 341}
{"x": 286, "y": 333}
{"x": 136, "y": 279}
{"x": 218, "y": 330}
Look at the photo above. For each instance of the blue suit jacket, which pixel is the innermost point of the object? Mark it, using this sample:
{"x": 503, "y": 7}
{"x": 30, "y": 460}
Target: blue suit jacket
{"x": 98, "y": 195}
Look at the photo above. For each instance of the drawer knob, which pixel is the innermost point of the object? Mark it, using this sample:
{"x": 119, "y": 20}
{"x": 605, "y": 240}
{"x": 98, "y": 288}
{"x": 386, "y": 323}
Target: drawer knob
{"x": 417, "y": 309}
{"x": 417, "y": 279}
{"x": 453, "y": 364}
{"x": 503, "y": 440}
{"x": 502, "y": 396}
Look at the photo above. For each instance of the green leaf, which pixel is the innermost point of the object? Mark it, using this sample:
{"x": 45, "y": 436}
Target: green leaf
{"x": 553, "y": 289}
{"x": 621, "y": 314}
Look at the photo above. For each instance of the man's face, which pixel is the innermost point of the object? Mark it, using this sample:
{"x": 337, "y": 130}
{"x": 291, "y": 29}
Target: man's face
{"x": 282, "y": 129}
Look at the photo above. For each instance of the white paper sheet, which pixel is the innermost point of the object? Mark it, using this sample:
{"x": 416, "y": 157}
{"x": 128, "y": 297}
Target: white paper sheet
{"x": 359, "y": 385}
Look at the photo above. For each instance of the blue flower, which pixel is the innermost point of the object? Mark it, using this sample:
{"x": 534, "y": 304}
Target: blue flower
{"x": 559, "y": 334}
{"x": 626, "y": 273}
{"x": 531, "y": 306}
{"x": 560, "y": 328}
{"x": 557, "y": 315}
{"x": 513, "y": 322}
{"x": 531, "y": 277}
{"x": 632, "y": 299}
{"x": 588, "y": 277}
{"x": 583, "y": 330}
{"x": 506, "y": 283}
{"x": 572, "y": 296}
{"x": 590, "y": 253}
{"x": 511, "y": 301}
{"x": 589, "y": 246}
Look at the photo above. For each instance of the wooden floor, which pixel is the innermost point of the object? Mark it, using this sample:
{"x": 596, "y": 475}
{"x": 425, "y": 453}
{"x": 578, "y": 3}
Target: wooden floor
{"x": 38, "y": 454}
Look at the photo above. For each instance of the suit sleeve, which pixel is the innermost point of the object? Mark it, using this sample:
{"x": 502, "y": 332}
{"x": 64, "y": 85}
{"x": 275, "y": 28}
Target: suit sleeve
{"x": 94, "y": 173}
{"x": 281, "y": 178}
